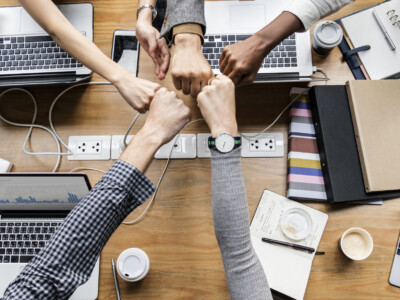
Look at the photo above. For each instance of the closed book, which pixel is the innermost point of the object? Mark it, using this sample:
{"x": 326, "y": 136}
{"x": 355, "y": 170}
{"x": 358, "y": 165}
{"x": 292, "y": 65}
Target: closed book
{"x": 375, "y": 110}
{"x": 337, "y": 146}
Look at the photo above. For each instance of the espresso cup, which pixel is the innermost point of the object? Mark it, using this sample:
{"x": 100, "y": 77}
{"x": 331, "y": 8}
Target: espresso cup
{"x": 356, "y": 243}
{"x": 133, "y": 264}
{"x": 327, "y": 35}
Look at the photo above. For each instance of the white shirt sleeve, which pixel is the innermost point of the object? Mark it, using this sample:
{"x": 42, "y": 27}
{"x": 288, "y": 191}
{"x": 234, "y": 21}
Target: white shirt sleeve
{"x": 310, "y": 11}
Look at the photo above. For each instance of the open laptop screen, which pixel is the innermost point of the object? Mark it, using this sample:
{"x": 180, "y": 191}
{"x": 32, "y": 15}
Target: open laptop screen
{"x": 42, "y": 191}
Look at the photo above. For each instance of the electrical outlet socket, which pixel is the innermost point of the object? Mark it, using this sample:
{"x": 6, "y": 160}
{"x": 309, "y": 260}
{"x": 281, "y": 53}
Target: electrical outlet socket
{"x": 184, "y": 148}
{"x": 117, "y": 145}
{"x": 202, "y": 145}
{"x": 264, "y": 145}
{"x": 94, "y": 147}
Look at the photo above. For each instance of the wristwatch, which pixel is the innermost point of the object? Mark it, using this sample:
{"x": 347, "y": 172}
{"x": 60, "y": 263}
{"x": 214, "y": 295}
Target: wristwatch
{"x": 224, "y": 142}
{"x": 153, "y": 10}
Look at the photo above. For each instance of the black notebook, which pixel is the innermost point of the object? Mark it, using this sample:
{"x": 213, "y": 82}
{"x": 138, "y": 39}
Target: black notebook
{"x": 337, "y": 146}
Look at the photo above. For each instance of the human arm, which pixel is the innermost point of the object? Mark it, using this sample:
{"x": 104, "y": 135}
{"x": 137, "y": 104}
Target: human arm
{"x": 242, "y": 68}
{"x": 184, "y": 28}
{"x": 149, "y": 39}
{"x": 69, "y": 257}
{"x": 137, "y": 92}
{"x": 244, "y": 273}
{"x": 189, "y": 68}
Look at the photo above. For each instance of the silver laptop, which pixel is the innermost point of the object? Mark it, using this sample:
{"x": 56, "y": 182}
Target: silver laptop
{"x": 230, "y": 22}
{"x": 32, "y": 207}
{"x": 28, "y": 55}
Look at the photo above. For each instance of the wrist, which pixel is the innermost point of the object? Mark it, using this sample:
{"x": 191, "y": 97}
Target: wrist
{"x": 279, "y": 29}
{"x": 187, "y": 40}
{"x": 145, "y": 16}
{"x": 151, "y": 139}
{"x": 118, "y": 76}
{"x": 264, "y": 42}
{"x": 140, "y": 151}
{"x": 232, "y": 129}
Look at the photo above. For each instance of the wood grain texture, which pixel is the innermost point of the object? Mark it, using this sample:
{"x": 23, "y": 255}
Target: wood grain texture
{"x": 178, "y": 232}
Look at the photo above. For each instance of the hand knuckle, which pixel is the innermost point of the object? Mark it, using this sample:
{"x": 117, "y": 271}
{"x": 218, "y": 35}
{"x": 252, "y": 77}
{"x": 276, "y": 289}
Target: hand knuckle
{"x": 175, "y": 73}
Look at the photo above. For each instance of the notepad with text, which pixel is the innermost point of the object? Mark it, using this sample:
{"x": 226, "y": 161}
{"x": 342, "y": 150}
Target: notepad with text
{"x": 287, "y": 270}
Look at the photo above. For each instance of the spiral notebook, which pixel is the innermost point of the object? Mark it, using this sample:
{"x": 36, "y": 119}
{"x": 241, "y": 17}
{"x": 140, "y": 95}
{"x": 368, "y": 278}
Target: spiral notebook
{"x": 362, "y": 29}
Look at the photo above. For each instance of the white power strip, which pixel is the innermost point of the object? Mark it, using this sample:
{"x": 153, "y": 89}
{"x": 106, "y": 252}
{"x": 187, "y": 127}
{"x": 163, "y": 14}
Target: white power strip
{"x": 187, "y": 146}
{"x": 264, "y": 145}
{"x": 118, "y": 146}
{"x": 5, "y": 166}
{"x": 90, "y": 147}
{"x": 184, "y": 148}
{"x": 202, "y": 145}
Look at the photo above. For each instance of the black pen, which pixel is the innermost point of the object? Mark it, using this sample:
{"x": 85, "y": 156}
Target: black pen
{"x": 293, "y": 246}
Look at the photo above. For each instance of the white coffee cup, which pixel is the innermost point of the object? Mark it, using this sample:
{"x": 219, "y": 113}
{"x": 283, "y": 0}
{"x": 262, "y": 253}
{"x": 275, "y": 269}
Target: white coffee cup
{"x": 356, "y": 243}
{"x": 327, "y": 35}
{"x": 133, "y": 264}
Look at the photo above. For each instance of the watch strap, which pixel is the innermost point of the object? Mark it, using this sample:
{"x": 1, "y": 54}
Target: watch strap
{"x": 237, "y": 139}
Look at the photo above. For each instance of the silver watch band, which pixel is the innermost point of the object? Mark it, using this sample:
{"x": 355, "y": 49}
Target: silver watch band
{"x": 153, "y": 10}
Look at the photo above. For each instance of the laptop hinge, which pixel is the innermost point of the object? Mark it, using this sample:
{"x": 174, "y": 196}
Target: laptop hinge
{"x": 39, "y": 214}
{"x": 38, "y": 75}
{"x": 276, "y": 76}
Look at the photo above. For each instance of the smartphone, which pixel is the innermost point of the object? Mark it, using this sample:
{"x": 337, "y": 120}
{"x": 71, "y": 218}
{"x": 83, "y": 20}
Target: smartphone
{"x": 394, "y": 278}
{"x": 125, "y": 50}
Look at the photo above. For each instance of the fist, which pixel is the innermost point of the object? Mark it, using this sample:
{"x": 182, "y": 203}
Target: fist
{"x": 167, "y": 115}
{"x": 189, "y": 68}
{"x": 217, "y": 104}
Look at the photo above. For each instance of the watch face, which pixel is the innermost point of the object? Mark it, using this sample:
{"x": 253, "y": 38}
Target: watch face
{"x": 224, "y": 143}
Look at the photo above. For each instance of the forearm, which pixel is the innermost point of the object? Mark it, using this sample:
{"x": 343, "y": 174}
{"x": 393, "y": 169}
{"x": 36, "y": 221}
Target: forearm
{"x": 146, "y": 14}
{"x": 280, "y": 28}
{"x": 245, "y": 276}
{"x": 310, "y": 11}
{"x": 46, "y": 13}
{"x": 298, "y": 17}
{"x": 69, "y": 258}
{"x": 145, "y": 143}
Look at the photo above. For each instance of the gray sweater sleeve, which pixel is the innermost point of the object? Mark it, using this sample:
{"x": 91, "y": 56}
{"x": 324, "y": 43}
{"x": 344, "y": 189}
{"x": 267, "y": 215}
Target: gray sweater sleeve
{"x": 183, "y": 12}
{"x": 244, "y": 274}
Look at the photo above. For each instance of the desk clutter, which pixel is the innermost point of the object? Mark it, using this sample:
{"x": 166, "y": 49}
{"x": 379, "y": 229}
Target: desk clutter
{"x": 335, "y": 152}
{"x": 343, "y": 143}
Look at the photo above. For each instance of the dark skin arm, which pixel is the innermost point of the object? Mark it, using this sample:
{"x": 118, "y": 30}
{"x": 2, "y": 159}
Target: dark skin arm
{"x": 235, "y": 61}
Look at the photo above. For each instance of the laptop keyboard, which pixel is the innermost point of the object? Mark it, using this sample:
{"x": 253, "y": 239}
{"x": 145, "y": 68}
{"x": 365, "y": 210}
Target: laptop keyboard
{"x": 283, "y": 55}
{"x": 20, "y": 241}
{"x": 37, "y": 53}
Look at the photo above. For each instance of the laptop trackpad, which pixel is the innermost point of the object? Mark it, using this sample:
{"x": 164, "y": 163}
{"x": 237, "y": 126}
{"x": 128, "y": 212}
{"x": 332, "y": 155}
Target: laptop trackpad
{"x": 247, "y": 18}
{"x": 28, "y": 25}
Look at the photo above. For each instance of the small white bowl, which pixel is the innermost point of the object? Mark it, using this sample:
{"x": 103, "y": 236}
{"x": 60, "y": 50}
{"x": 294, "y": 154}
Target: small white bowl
{"x": 296, "y": 224}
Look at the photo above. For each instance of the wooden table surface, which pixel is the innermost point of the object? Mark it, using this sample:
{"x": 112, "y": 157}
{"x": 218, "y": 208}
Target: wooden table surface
{"x": 178, "y": 231}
